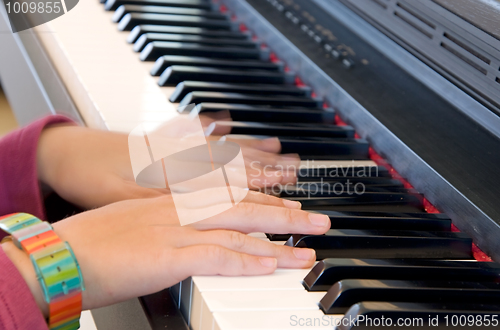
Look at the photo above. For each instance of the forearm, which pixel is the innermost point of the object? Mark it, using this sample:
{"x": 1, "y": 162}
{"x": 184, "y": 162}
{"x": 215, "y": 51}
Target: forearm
{"x": 23, "y": 264}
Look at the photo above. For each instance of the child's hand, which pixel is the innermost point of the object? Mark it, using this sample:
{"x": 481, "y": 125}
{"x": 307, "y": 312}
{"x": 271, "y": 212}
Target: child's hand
{"x": 137, "y": 247}
{"x": 92, "y": 168}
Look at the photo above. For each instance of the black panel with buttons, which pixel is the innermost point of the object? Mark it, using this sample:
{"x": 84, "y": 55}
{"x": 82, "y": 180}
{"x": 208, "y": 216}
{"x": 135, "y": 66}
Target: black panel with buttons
{"x": 332, "y": 47}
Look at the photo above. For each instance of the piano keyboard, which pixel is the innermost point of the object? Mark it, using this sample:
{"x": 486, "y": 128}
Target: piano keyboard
{"x": 384, "y": 254}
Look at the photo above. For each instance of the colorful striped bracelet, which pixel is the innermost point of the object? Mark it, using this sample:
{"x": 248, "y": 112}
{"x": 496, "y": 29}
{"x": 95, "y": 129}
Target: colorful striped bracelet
{"x": 55, "y": 264}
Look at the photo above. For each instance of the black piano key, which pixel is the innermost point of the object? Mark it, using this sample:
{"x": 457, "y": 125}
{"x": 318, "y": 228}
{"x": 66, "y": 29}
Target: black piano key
{"x": 329, "y": 271}
{"x": 156, "y": 49}
{"x": 150, "y": 37}
{"x": 370, "y": 195}
{"x": 438, "y": 221}
{"x": 165, "y": 61}
{"x": 125, "y": 9}
{"x": 252, "y": 99}
{"x": 420, "y": 316}
{"x": 139, "y": 30}
{"x": 346, "y": 220}
{"x": 313, "y": 170}
{"x": 179, "y": 73}
{"x": 241, "y": 112}
{"x": 373, "y": 181}
{"x": 318, "y": 189}
{"x": 131, "y": 20}
{"x": 391, "y": 206}
{"x": 304, "y": 130}
{"x": 379, "y": 221}
{"x": 418, "y": 215}
{"x": 380, "y": 244}
{"x": 342, "y": 295}
{"x": 354, "y": 148}
{"x": 356, "y": 199}
{"x": 196, "y": 4}
{"x": 186, "y": 87}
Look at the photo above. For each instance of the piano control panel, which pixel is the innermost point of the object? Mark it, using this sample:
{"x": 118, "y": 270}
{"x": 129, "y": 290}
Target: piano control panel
{"x": 307, "y": 24}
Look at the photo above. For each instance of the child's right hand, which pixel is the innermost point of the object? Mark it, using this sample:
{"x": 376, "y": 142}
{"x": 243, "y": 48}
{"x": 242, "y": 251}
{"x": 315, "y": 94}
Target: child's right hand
{"x": 137, "y": 247}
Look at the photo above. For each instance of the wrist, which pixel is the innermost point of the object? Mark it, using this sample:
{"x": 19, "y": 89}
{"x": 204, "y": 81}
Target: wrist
{"x": 25, "y": 267}
{"x": 50, "y": 144}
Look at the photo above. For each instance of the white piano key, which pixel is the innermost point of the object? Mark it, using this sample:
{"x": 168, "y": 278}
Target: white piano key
{"x": 110, "y": 85}
{"x": 275, "y": 320}
{"x": 227, "y": 301}
{"x": 238, "y": 301}
{"x": 258, "y": 235}
{"x": 281, "y": 279}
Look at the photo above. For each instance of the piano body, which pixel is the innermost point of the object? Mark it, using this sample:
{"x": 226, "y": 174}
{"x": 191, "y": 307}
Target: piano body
{"x": 418, "y": 83}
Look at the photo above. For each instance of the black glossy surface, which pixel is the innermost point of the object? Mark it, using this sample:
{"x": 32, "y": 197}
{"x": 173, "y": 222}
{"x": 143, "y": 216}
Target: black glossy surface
{"x": 156, "y": 49}
{"x": 125, "y": 9}
{"x": 199, "y": 4}
{"x": 131, "y": 20}
{"x": 240, "y": 112}
{"x": 148, "y": 28}
{"x": 345, "y": 293}
{"x": 375, "y": 244}
{"x": 178, "y": 73}
{"x": 200, "y": 40}
{"x": 419, "y": 315}
{"x": 302, "y": 130}
{"x": 252, "y": 99}
{"x": 162, "y": 312}
{"x": 329, "y": 271}
{"x": 168, "y": 60}
{"x": 188, "y": 86}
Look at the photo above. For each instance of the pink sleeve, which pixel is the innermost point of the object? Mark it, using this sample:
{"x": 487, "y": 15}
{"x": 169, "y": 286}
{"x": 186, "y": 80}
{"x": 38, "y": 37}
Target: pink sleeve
{"x": 19, "y": 186}
{"x": 18, "y": 309}
{"x": 20, "y": 192}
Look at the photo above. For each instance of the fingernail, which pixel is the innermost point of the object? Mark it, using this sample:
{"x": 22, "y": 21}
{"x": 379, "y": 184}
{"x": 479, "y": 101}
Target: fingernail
{"x": 292, "y": 204}
{"x": 304, "y": 254}
{"x": 320, "y": 220}
{"x": 269, "y": 262}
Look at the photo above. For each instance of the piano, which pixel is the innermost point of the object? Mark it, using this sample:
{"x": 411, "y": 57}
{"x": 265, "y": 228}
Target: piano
{"x": 401, "y": 97}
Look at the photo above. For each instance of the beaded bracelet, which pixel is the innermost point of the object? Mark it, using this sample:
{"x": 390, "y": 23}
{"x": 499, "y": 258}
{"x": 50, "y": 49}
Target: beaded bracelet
{"x": 55, "y": 265}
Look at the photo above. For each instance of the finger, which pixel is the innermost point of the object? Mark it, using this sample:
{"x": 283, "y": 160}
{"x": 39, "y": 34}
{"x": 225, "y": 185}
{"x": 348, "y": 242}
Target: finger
{"x": 268, "y": 175}
{"x": 272, "y": 145}
{"x": 258, "y": 177}
{"x": 250, "y": 218}
{"x": 217, "y": 260}
{"x": 202, "y": 201}
{"x": 262, "y": 158}
{"x": 288, "y": 162}
{"x": 288, "y": 257}
{"x": 260, "y": 198}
